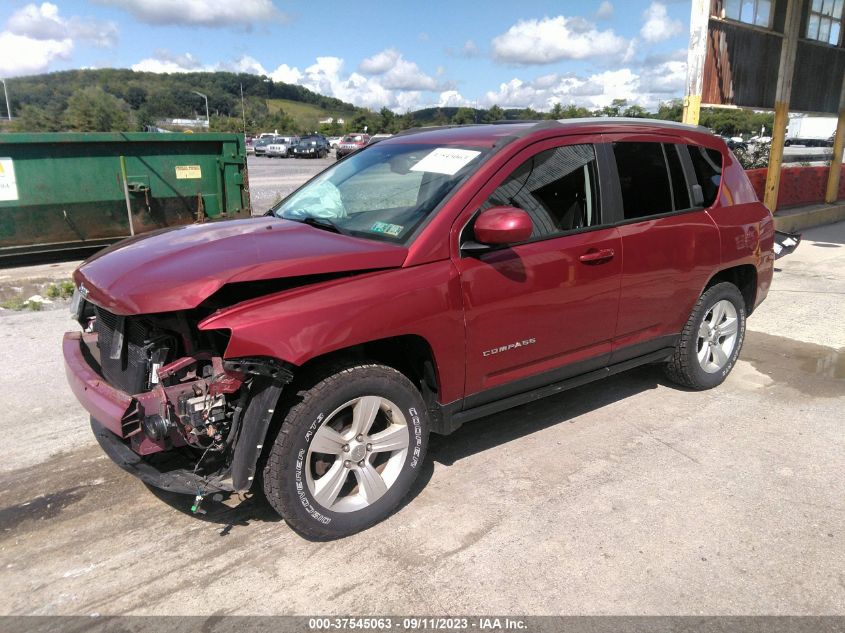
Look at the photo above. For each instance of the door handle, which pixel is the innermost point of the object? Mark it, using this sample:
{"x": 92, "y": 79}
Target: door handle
{"x": 597, "y": 256}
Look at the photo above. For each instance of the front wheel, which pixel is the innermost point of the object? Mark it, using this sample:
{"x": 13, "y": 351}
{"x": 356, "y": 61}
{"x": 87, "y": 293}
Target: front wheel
{"x": 711, "y": 340}
{"x": 348, "y": 452}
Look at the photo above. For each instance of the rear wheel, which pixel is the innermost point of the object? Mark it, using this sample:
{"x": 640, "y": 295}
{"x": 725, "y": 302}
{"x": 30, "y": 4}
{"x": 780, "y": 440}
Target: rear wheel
{"x": 711, "y": 340}
{"x": 347, "y": 454}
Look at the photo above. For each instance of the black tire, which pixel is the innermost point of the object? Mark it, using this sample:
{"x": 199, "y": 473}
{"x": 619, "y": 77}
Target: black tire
{"x": 287, "y": 474}
{"x": 684, "y": 367}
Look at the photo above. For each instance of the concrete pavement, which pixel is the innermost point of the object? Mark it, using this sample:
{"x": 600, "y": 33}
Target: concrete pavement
{"x": 629, "y": 496}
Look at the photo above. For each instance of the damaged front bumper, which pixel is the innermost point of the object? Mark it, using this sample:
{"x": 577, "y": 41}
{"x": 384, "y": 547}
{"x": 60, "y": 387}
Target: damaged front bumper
{"x": 167, "y": 471}
{"x": 117, "y": 419}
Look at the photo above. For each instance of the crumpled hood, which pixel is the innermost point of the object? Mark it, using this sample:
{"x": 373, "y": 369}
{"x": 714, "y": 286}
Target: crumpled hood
{"x": 177, "y": 268}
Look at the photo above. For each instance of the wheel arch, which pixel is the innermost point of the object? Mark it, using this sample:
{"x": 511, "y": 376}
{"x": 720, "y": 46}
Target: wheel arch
{"x": 744, "y": 277}
{"x": 409, "y": 354}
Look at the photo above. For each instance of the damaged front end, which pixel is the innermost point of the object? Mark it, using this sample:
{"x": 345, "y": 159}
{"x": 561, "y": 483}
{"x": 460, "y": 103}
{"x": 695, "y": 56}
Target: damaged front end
{"x": 165, "y": 405}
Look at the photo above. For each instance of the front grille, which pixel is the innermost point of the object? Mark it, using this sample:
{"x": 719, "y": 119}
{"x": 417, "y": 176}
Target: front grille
{"x": 129, "y": 372}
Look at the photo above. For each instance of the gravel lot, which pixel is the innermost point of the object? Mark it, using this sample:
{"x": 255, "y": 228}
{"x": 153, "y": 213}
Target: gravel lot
{"x": 629, "y": 496}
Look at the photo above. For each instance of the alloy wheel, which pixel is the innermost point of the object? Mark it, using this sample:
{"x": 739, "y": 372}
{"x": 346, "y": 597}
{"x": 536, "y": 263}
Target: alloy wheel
{"x": 357, "y": 454}
{"x": 717, "y": 336}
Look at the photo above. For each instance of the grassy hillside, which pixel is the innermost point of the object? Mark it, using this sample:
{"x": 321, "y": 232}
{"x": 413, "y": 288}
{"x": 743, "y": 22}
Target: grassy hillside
{"x": 306, "y": 115}
{"x": 135, "y": 99}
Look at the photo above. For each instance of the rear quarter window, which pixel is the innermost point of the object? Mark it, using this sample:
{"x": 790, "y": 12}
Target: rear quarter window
{"x": 707, "y": 164}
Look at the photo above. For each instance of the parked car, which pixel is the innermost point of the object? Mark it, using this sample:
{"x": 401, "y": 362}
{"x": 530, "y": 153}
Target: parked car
{"x": 313, "y": 146}
{"x": 281, "y": 146}
{"x": 334, "y": 141}
{"x": 351, "y": 143}
{"x": 735, "y": 142}
{"x": 250, "y": 145}
{"x": 432, "y": 279}
{"x": 259, "y": 148}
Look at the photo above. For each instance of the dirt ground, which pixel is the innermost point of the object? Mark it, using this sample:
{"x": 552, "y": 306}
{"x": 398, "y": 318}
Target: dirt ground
{"x": 629, "y": 496}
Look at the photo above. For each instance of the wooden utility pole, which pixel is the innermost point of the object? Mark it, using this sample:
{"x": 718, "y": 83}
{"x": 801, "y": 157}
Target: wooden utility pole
{"x": 832, "y": 191}
{"x": 699, "y": 19}
{"x": 788, "y": 51}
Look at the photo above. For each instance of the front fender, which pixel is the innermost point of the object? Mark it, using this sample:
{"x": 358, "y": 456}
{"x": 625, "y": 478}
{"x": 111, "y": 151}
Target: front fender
{"x": 299, "y": 325}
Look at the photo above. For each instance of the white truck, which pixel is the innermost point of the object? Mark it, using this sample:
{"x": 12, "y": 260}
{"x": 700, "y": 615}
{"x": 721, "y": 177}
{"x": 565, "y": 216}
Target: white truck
{"x": 810, "y": 131}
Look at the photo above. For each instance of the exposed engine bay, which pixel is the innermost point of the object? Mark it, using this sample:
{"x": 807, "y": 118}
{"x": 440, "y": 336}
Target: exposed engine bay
{"x": 186, "y": 399}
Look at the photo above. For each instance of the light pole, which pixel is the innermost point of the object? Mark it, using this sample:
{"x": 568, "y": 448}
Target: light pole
{"x": 208, "y": 123}
{"x": 6, "y": 92}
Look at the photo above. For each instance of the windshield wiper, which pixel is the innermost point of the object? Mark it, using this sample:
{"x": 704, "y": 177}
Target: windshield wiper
{"x": 321, "y": 223}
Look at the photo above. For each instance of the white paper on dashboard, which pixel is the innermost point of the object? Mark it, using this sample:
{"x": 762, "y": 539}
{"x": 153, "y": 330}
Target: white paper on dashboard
{"x": 445, "y": 160}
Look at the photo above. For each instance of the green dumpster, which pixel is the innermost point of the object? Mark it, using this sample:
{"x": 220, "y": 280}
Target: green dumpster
{"x": 70, "y": 190}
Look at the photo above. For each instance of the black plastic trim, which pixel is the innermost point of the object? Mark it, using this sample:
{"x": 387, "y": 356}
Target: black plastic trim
{"x": 451, "y": 418}
{"x": 175, "y": 478}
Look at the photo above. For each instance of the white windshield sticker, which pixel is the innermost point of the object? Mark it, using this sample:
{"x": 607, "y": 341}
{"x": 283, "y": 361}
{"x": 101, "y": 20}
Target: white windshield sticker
{"x": 445, "y": 160}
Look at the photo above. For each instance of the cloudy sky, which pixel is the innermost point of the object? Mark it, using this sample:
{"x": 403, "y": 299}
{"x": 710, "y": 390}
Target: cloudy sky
{"x": 405, "y": 55}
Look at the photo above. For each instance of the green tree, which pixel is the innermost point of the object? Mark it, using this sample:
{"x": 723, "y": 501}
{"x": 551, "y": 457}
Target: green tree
{"x": 406, "y": 121}
{"x": 357, "y": 123}
{"x": 670, "y": 110}
{"x": 440, "y": 118}
{"x": 33, "y": 118}
{"x": 387, "y": 121}
{"x": 615, "y": 108}
{"x": 635, "y": 111}
{"x": 495, "y": 113}
{"x": 94, "y": 110}
{"x": 556, "y": 112}
{"x": 136, "y": 96}
{"x": 529, "y": 114}
{"x": 463, "y": 116}
{"x": 282, "y": 122}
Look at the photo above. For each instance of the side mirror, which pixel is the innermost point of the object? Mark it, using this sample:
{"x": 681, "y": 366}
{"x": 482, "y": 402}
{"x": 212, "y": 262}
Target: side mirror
{"x": 497, "y": 226}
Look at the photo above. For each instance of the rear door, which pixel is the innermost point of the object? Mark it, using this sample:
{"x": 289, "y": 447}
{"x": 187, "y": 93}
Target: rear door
{"x": 544, "y": 309}
{"x": 670, "y": 245}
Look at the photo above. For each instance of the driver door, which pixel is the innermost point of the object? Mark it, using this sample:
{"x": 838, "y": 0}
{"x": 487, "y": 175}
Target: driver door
{"x": 545, "y": 309}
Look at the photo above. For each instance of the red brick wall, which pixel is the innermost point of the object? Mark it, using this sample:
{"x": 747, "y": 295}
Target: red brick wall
{"x": 798, "y": 185}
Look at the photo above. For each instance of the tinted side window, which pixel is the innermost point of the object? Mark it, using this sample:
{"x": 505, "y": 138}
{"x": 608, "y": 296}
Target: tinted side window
{"x": 557, "y": 188}
{"x": 707, "y": 164}
{"x": 644, "y": 178}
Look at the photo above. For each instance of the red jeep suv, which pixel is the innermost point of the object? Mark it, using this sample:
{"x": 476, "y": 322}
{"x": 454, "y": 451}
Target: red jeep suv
{"x": 433, "y": 278}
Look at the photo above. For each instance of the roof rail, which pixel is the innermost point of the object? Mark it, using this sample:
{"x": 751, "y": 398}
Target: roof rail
{"x": 537, "y": 124}
{"x": 433, "y": 128}
{"x": 627, "y": 120}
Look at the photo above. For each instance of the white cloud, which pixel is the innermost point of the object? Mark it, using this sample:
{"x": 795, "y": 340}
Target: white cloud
{"x": 163, "y": 61}
{"x": 646, "y": 88}
{"x": 212, "y": 13}
{"x": 667, "y": 78}
{"x": 451, "y": 99}
{"x": 658, "y": 25}
{"x": 23, "y": 55}
{"x": 396, "y": 72}
{"x": 379, "y": 63}
{"x": 286, "y": 74}
{"x": 43, "y": 22}
{"x": 470, "y": 49}
{"x": 605, "y": 11}
{"x": 40, "y": 23}
{"x": 245, "y": 64}
{"x": 553, "y": 39}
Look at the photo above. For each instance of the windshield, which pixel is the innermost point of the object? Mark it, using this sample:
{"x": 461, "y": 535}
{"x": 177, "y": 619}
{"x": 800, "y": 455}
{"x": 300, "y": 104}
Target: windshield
{"x": 353, "y": 139}
{"x": 382, "y": 192}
